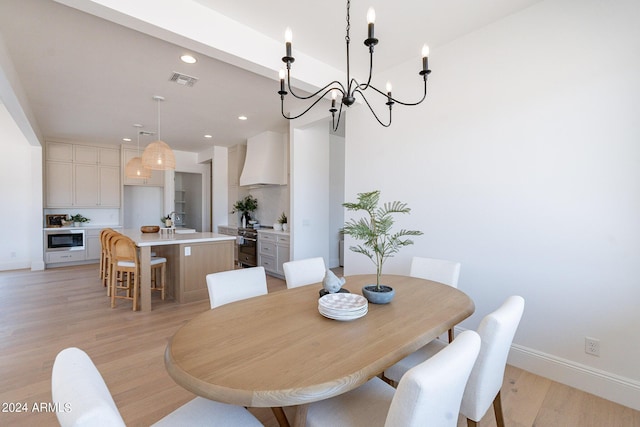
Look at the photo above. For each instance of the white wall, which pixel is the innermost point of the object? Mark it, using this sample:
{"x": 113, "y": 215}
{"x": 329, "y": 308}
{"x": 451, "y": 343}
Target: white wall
{"x": 191, "y": 163}
{"x": 336, "y": 197}
{"x": 309, "y": 219}
{"x": 218, "y": 159}
{"x": 523, "y": 164}
{"x": 142, "y": 205}
{"x": 21, "y": 195}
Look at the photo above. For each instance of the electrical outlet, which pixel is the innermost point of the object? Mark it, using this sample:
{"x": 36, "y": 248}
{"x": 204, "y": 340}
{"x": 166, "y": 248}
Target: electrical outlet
{"x": 592, "y": 346}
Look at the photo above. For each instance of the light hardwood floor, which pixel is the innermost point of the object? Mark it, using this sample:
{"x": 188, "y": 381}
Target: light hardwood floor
{"x": 43, "y": 312}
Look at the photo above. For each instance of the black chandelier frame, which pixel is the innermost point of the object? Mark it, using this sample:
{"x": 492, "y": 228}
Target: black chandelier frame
{"x": 352, "y": 88}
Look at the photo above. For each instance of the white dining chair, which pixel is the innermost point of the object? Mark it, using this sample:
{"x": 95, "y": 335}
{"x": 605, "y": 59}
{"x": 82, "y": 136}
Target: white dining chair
{"x": 304, "y": 272}
{"x": 80, "y": 392}
{"x": 428, "y": 395}
{"x": 234, "y": 285}
{"x": 438, "y": 270}
{"x": 497, "y": 330}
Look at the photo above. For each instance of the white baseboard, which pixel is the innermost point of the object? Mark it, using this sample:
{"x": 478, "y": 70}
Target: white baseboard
{"x": 15, "y": 265}
{"x": 37, "y": 265}
{"x": 606, "y": 385}
{"x": 615, "y": 388}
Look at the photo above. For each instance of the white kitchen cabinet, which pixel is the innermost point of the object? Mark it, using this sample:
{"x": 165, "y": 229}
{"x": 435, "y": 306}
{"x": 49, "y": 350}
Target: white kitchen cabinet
{"x": 273, "y": 251}
{"x": 82, "y": 176}
{"x": 109, "y": 179}
{"x": 97, "y": 186}
{"x": 59, "y": 151}
{"x": 59, "y": 184}
{"x": 93, "y": 248}
{"x": 64, "y": 256}
{"x": 156, "y": 179}
{"x": 86, "y": 185}
{"x": 230, "y": 231}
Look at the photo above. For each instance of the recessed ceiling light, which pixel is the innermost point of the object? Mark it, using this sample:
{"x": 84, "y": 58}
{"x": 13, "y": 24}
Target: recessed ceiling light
{"x": 208, "y": 136}
{"x": 188, "y": 59}
{"x": 126, "y": 139}
{"x": 242, "y": 117}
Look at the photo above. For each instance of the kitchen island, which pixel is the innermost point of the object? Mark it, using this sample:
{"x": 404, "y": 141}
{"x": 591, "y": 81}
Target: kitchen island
{"x": 190, "y": 257}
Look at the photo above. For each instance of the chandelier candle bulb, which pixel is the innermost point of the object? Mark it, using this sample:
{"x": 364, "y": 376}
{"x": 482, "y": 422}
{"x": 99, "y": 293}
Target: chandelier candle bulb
{"x": 425, "y": 57}
{"x": 281, "y": 74}
{"x": 371, "y": 20}
{"x": 288, "y": 38}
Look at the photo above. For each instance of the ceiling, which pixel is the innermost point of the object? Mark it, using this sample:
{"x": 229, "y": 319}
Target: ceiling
{"x": 89, "y": 79}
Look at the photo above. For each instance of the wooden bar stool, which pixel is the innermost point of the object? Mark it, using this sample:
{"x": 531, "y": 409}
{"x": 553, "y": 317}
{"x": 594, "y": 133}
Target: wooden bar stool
{"x": 104, "y": 261}
{"x": 106, "y": 279}
{"x": 125, "y": 264}
{"x": 158, "y": 266}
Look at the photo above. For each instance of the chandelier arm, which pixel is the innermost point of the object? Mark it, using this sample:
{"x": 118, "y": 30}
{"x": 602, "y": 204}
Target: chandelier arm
{"x": 362, "y": 86}
{"x": 341, "y": 89}
{"x": 371, "y": 109}
{"x": 408, "y": 104}
{"x": 305, "y": 111}
{"x": 352, "y": 85}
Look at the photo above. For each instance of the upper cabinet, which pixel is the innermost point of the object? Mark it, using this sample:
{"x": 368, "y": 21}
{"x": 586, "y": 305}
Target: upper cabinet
{"x": 78, "y": 175}
{"x": 157, "y": 177}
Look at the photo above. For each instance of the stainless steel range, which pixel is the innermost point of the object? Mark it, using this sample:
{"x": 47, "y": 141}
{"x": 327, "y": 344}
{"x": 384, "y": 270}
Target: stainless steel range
{"x": 248, "y": 247}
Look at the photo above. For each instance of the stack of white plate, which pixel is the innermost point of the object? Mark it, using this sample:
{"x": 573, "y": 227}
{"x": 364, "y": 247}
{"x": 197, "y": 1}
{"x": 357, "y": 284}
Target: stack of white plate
{"x": 341, "y": 306}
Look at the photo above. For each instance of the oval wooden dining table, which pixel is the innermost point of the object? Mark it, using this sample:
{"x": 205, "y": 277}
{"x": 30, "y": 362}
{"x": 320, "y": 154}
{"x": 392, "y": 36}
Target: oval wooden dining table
{"x": 277, "y": 350}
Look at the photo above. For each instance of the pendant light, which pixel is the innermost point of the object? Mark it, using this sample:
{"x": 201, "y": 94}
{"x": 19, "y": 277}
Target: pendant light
{"x": 134, "y": 168}
{"x": 158, "y": 155}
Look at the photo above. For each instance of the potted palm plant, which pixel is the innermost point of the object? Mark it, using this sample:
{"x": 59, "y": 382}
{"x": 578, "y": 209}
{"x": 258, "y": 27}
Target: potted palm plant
{"x": 378, "y": 241}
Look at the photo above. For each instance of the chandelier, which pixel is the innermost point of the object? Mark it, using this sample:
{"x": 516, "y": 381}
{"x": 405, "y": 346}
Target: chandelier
{"x": 347, "y": 92}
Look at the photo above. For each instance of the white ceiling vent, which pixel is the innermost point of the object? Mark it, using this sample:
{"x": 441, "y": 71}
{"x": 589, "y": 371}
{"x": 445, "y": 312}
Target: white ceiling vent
{"x": 183, "y": 79}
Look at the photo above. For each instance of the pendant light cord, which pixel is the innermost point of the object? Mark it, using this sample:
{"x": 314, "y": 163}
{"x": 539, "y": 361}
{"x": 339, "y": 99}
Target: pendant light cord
{"x": 158, "y": 101}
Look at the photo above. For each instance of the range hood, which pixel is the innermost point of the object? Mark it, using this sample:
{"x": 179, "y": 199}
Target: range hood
{"x": 265, "y": 163}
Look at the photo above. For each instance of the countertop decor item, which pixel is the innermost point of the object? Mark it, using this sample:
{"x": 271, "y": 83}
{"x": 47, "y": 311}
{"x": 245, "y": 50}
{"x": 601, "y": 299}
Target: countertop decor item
{"x": 56, "y": 220}
{"x": 78, "y": 219}
{"x": 246, "y": 206}
{"x": 282, "y": 222}
{"x": 332, "y": 283}
{"x": 379, "y": 242}
{"x": 150, "y": 228}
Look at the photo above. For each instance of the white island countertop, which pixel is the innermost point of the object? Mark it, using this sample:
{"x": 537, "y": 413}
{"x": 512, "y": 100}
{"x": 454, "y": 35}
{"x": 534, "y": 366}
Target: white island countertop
{"x": 158, "y": 239}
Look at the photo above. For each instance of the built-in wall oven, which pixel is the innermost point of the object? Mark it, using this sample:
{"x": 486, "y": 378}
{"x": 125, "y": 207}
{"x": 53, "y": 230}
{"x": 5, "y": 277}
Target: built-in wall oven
{"x": 64, "y": 240}
{"x": 248, "y": 247}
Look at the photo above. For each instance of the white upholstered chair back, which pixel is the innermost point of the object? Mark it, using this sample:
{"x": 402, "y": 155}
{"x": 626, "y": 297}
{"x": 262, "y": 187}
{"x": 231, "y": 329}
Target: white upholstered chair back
{"x": 496, "y": 330}
{"x": 85, "y": 401}
{"x": 304, "y": 272}
{"x": 81, "y": 393}
{"x": 430, "y": 393}
{"x": 438, "y": 270}
{"x": 234, "y": 285}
